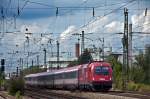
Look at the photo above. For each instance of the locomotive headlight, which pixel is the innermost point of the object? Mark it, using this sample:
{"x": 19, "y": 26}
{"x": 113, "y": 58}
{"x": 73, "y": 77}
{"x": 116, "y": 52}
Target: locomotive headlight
{"x": 93, "y": 78}
{"x": 110, "y": 78}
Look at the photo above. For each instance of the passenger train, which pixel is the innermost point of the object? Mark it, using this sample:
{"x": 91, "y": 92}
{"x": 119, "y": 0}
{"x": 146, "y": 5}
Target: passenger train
{"x": 96, "y": 75}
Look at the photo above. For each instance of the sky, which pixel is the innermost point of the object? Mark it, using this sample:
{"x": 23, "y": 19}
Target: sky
{"x": 60, "y": 19}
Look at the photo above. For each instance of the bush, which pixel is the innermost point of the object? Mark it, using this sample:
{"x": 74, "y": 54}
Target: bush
{"x": 138, "y": 87}
{"x": 132, "y": 86}
{"x": 144, "y": 88}
{"x": 18, "y": 95}
{"x": 117, "y": 72}
{"x": 137, "y": 74}
{"x": 16, "y": 85}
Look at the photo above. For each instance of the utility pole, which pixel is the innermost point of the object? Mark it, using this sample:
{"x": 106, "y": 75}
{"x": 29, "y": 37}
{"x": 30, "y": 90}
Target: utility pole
{"x": 27, "y": 60}
{"x": 37, "y": 60}
{"x": 44, "y": 57}
{"x": 22, "y": 63}
{"x": 3, "y": 67}
{"x": 130, "y": 46}
{"x": 125, "y": 50}
{"x": 103, "y": 48}
{"x": 21, "y": 70}
{"x": 57, "y": 54}
{"x": 17, "y": 71}
{"x": 20, "y": 66}
{"x": 129, "y": 50}
{"x": 82, "y": 45}
{"x": 27, "y": 36}
{"x": 32, "y": 65}
{"x": 77, "y": 49}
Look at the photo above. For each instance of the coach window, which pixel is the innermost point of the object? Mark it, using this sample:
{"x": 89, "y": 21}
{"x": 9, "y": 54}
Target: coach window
{"x": 68, "y": 75}
{"x": 59, "y": 76}
{"x": 42, "y": 78}
{"x": 56, "y": 76}
{"x": 46, "y": 77}
{"x": 49, "y": 77}
{"x": 38, "y": 78}
{"x": 64, "y": 75}
{"x": 74, "y": 74}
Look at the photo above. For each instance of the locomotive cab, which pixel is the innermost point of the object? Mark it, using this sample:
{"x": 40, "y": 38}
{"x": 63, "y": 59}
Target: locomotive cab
{"x": 101, "y": 76}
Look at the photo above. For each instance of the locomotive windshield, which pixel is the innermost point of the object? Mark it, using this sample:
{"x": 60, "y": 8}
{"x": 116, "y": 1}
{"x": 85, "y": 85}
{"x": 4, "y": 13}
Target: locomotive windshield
{"x": 102, "y": 70}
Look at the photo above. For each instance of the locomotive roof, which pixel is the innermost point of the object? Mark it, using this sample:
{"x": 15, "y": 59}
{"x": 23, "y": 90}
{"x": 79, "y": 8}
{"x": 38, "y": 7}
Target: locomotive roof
{"x": 104, "y": 63}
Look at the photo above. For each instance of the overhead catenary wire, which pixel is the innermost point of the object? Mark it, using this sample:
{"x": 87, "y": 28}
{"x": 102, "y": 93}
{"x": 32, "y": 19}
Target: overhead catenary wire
{"x": 74, "y": 7}
{"x": 67, "y": 9}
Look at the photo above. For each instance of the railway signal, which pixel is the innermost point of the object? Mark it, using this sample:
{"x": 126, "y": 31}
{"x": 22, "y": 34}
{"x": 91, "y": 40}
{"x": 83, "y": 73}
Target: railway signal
{"x": 2, "y": 68}
{"x": 57, "y": 42}
{"x": 2, "y": 65}
{"x": 44, "y": 57}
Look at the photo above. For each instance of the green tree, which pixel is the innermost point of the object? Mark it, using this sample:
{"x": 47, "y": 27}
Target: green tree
{"x": 117, "y": 71}
{"x": 1, "y": 79}
{"x": 73, "y": 63}
{"x": 33, "y": 69}
{"x": 85, "y": 57}
{"x": 146, "y": 67}
{"x": 16, "y": 84}
{"x": 143, "y": 65}
{"x": 136, "y": 71}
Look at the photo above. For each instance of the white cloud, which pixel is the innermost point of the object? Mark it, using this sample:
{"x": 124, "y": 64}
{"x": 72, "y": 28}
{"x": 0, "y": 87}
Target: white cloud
{"x": 67, "y": 33}
{"x": 141, "y": 21}
{"x": 141, "y": 24}
{"x": 18, "y": 38}
{"x": 33, "y": 28}
{"x": 137, "y": 19}
{"x": 114, "y": 27}
{"x": 146, "y": 23}
{"x": 85, "y": 0}
{"x": 97, "y": 26}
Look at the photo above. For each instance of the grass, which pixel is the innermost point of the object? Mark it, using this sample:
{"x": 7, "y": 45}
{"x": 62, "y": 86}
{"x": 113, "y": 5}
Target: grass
{"x": 138, "y": 87}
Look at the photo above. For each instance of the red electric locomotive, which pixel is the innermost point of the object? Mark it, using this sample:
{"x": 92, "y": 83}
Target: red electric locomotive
{"x": 93, "y": 76}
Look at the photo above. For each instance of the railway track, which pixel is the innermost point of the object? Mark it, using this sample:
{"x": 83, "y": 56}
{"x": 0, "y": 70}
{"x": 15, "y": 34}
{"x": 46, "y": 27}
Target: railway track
{"x": 61, "y": 94}
{"x": 2, "y": 96}
{"x": 45, "y": 94}
{"x": 133, "y": 94}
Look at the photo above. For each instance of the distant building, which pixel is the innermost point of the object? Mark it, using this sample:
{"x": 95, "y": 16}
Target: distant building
{"x": 147, "y": 47}
{"x": 118, "y": 56}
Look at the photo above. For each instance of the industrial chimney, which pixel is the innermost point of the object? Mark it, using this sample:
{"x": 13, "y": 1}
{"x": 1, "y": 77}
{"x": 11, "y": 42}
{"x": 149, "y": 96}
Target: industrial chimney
{"x": 77, "y": 49}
